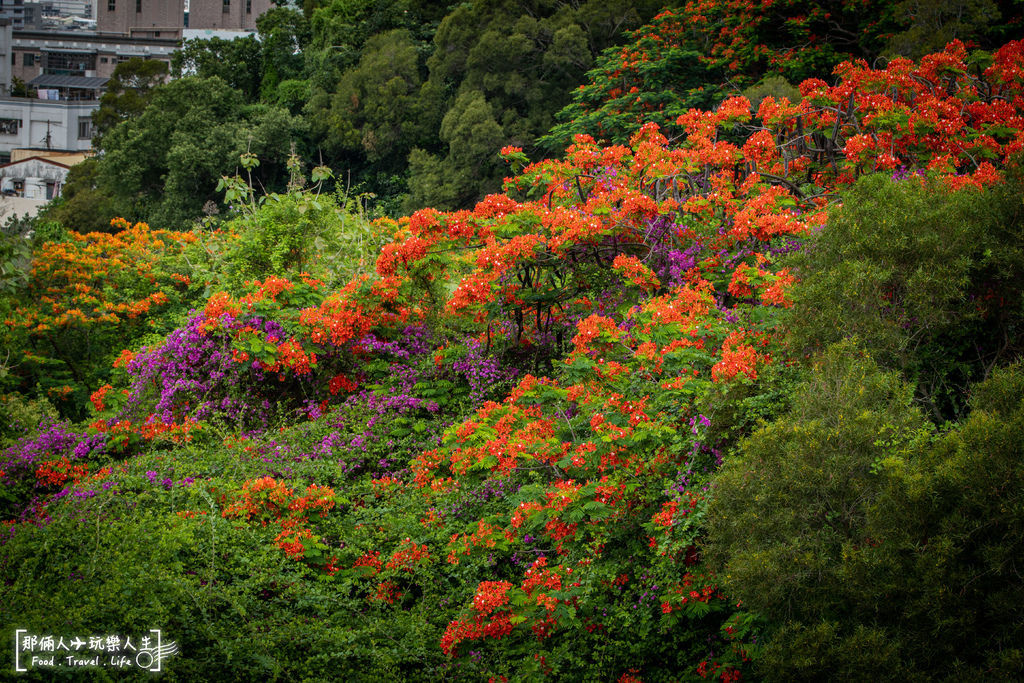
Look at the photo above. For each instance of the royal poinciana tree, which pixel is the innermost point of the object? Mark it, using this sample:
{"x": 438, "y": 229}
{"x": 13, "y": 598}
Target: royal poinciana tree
{"x": 696, "y": 55}
{"x": 567, "y": 366}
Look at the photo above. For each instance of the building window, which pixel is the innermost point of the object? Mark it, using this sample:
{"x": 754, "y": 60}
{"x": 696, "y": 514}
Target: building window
{"x": 9, "y": 126}
{"x": 69, "y": 63}
{"x": 111, "y": 5}
{"x": 28, "y": 59}
{"x": 248, "y": 6}
{"x": 227, "y": 5}
{"x": 84, "y": 127}
{"x": 138, "y": 6}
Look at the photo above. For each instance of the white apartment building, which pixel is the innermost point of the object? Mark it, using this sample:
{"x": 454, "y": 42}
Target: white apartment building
{"x": 31, "y": 123}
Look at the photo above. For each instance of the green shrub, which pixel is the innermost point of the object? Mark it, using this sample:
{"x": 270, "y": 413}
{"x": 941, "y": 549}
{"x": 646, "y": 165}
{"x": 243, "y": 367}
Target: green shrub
{"x": 929, "y": 280}
{"x": 873, "y": 547}
{"x": 287, "y": 234}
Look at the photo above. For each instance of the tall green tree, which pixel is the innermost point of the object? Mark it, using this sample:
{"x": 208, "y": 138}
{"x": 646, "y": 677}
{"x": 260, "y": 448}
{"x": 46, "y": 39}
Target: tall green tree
{"x": 931, "y": 279}
{"x": 928, "y": 25}
{"x": 525, "y": 57}
{"x": 284, "y": 33}
{"x": 503, "y": 68}
{"x": 127, "y": 93}
{"x": 341, "y": 28}
{"x": 519, "y": 60}
{"x": 874, "y": 528}
{"x": 377, "y": 108}
{"x": 238, "y": 62}
{"x": 164, "y": 165}
{"x": 471, "y": 167}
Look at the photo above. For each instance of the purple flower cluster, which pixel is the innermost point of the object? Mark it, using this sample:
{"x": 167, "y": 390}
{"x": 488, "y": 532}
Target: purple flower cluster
{"x": 54, "y": 440}
{"x": 165, "y": 482}
{"x": 414, "y": 340}
{"x": 183, "y": 370}
{"x": 193, "y": 373}
{"x": 680, "y": 262}
{"x": 483, "y": 372}
{"x": 903, "y": 173}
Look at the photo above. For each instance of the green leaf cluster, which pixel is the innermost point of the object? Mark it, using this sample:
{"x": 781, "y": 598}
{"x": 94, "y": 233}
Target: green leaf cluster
{"x": 928, "y": 280}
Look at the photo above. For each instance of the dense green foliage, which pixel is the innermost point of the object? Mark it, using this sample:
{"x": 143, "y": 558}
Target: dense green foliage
{"x": 931, "y": 280}
{"x": 871, "y": 543}
{"x": 872, "y": 546}
{"x": 128, "y": 93}
{"x": 165, "y": 163}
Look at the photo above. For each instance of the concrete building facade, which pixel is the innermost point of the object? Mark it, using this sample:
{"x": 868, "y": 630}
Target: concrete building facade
{"x": 86, "y": 55}
{"x": 29, "y": 184}
{"x": 75, "y": 8}
{"x": 238, "y": 15}
{"x": 14, "y": 10}
{"x": 141, "y": 18}
{"x": 49, "y": 15}
{"x": 27, "y": 123}
{"x": 33, "y": 178}
{"x": 6, "y": 54}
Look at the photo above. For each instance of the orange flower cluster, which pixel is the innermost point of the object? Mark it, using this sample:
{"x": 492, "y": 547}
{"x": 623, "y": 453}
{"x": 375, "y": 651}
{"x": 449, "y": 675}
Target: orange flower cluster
{"x": 485, "y": 536}
{"x": 689, "y": 592}
{"x": 737, "y": 358}
{"x": 341, "y": 383}
{"x": 124, "y": 359}
{"x": 674, "y": 510}
{"x": 357, "y": 308}
{"x": 123, "y": 432}
{"x": 635, "y": 272}
{"x": 479, "y": 627}
{"x": 268, "y": 290}
{"x": 408, "y": 556}
{"x": 492, "y": 616}
{"x": 57, "y": 472}
{"x": 292, "y": 356}
{"x": 371, "y": 560}
{"x": 387, "y": 591}
{"x": 87, "y": 287}
{"x": 538, "y": 579}
{"x": 216, "y": 306}
{"x": 490, "y": 595}
{"x": 97, "y": 397}
{"x": 273, "y": 503}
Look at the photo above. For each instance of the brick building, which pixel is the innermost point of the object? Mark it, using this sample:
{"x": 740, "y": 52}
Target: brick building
{"x": 141, "y": 18}
{"x": 81, "y": 54}
{"x": 238, "y": 15}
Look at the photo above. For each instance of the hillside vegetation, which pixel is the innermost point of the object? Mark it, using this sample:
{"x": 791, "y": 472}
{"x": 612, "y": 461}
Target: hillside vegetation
{"x": 729, "y": 387}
